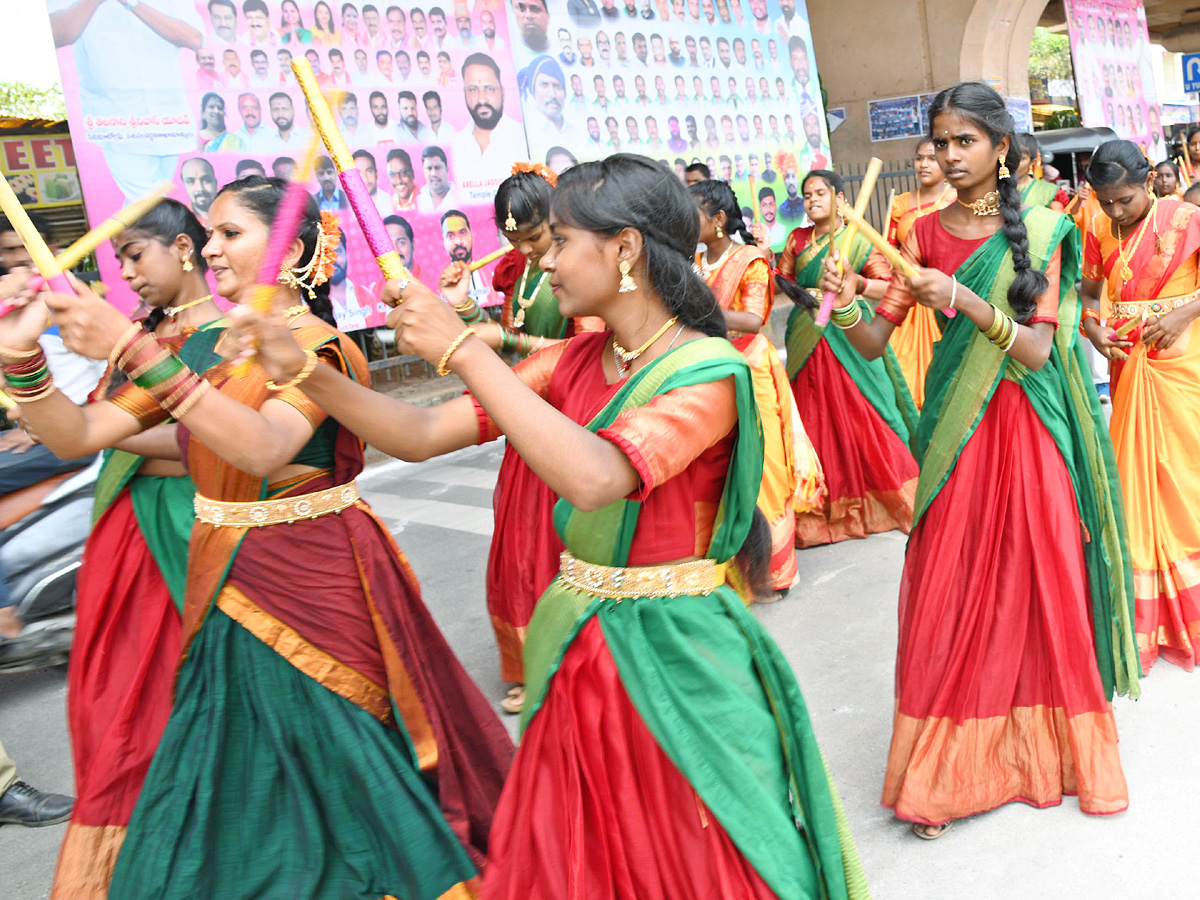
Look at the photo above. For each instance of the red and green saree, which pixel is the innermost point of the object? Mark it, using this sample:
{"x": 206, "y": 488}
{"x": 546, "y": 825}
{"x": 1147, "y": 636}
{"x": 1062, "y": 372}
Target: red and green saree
{"x": 129, "y": 595}
{"x": 1016, "y": 618}
{"x": 859, "y": 415}
{"x": 325, "y": 743}
{"x": 666, "y": 750}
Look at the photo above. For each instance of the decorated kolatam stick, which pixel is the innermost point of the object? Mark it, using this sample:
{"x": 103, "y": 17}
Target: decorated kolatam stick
{"x": 357, "y": 194}
{"x": 43, "y": 259}
{"x": 874, "y": 167}
{"x": 490, "y": 258}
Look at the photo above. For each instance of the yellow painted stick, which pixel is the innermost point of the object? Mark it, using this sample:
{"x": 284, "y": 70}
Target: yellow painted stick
{"x": 42, "y": 258}
{"x": 1130, "y": 325}
{"x": 754, "y": 203}
{"x": 112, "y": 226}
{"x": 490, "y": 258}
{"x": 879, "y": 241}
{"x": 7, "y": 402}
{"x": 891, "y": 203}
{"x": 874, "y": 167}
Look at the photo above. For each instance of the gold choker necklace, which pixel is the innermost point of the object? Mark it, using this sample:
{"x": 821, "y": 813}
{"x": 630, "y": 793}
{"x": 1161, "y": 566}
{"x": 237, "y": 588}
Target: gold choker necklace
{"x": 293, "y": 312}
{"x": 624, "y": 358}
{"x": 172, "y": 311}
{"x": 987, "y": 205}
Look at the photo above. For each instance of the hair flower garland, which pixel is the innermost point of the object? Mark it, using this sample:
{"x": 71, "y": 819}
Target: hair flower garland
{"x": 537, "y": 169}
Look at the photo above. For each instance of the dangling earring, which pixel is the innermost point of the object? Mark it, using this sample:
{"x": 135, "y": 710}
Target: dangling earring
{"x": 510, "y": 224}
{"x": 1003, "y": 173}
{"x": 187, "y": 265}
{"x": 627, "y": 283}
{"x": 720, "y": 233}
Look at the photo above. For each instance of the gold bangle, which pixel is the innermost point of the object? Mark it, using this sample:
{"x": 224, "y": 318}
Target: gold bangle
{"x": 310, "y": 365}
{"x": 123, "y": 342}
{"x": 10, "y": 355}
{"x": 454, "y": 345}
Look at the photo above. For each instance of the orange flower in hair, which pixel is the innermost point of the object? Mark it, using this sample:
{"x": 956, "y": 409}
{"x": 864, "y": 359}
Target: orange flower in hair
{"x": 537, "y": 169}
{"x": 331, "y": 236}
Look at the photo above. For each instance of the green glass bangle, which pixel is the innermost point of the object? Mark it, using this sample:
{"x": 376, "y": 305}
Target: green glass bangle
{"x": 159, "y": 372}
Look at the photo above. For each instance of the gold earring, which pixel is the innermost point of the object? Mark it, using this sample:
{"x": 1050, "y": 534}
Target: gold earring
{"x": 720, "y": 233}
{"x": 187, "y": 265}
{"x": 627, "y": 283}
{"x": 1003, "y": 173}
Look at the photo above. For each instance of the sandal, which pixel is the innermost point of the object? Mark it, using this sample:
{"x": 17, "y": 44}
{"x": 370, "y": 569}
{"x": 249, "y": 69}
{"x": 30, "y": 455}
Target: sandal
{"x": 931, "y": 832}
{"x": 514, "y": 700}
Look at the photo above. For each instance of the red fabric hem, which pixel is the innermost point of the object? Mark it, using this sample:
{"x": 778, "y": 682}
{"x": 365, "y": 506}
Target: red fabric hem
{"x": 889, "y": 315}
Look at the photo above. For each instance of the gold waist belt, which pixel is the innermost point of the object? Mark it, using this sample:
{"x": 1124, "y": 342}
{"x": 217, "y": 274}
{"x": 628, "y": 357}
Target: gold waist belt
{"x": 276, "y": 512}
{"x": 1159, "y": 307}
{"x": 698, "y": 576}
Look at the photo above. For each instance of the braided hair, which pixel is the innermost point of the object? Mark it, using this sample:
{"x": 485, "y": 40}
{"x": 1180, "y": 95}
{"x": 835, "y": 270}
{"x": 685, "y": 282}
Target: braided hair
{"x": 985, "y": 108}
{"x": 629, "y": 191}
{"x": 164, "y": 223}
{"x": 717, "y": 196}
{"x": 262, "y": 197}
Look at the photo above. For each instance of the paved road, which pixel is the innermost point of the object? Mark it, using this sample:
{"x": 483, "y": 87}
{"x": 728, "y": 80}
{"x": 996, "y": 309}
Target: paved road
{"x": 837, "y": 628}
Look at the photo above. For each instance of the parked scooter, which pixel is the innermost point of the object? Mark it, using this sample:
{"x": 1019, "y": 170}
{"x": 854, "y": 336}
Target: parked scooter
{"x": 42, "y": 532}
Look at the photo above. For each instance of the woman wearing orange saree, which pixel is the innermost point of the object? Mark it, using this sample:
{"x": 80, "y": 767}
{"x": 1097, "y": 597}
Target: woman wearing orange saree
{"x": 1147, "y": 252}
{"x": 740, "y": 278}
{"x": 859, "y": 414}
{"x": 913, "y": 340}
{"x": 324, "y": 741}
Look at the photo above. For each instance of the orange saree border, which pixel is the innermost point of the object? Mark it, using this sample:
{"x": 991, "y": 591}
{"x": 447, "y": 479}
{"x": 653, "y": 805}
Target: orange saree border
{"x": 510, "y": 639}
{"x": 86, "y": 861}
{"x": 918, "y": 792}
{"x": 857, "y": 517}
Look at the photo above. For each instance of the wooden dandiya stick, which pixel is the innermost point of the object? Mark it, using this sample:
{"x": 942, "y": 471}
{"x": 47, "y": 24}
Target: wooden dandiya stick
{"x": 754, "y": 210}
{"x": 874, "y": 167}
{"x": 368, "y": 217}
{"x": 105, "y": 231}
{"x": 43, "y": 259}
{"x": 879, "y": 242}
{"x": 490, "y": 258}
{"x": 1130, "y": 325}
{"x": 7, "y": 402}
{"x": 1183, "y": 176}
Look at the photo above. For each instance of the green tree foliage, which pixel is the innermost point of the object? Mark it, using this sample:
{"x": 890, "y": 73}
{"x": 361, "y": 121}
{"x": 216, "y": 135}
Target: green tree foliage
{"x": 1050, "y": 55}
{"x": 25, "y": 101}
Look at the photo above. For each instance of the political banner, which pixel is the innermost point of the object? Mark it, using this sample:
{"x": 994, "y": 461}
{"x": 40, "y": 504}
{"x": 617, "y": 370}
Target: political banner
{"x": 201, "y": 92}
{"x": 1113, "y": 70}
{"x": 680, "y": 81}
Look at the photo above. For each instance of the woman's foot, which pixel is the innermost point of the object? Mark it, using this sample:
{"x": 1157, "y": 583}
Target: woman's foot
{"x": 514, "y": 700}
{"x": 931, "y": 832}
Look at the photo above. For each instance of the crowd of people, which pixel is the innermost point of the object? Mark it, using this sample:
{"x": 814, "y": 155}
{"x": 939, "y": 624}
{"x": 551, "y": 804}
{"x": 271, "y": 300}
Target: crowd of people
{"x": 662, "y": 465}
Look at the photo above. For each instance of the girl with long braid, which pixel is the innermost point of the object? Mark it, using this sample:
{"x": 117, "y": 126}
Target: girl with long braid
{"x": 523, "y": 559}
{"x": 666, "y": 750}
{"x": 740, "y": 278}
{"x": 1147, "y": 248}
{"x": 1016, "y": 598}
{"x": 859, "y": 414}
{"x": 324, "y": 740}
{"x": 129, "y": 593}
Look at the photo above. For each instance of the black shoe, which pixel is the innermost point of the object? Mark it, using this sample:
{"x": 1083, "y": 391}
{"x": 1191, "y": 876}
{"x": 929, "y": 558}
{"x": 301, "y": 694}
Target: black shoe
{"x": 24, "y": 805}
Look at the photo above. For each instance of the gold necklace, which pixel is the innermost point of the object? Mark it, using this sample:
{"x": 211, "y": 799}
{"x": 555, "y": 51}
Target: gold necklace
{"x": 1126, "y": 271}
{"x": 172, "y": 311}
{"x": 987, "y": 205}
{"x": 707, "y": 269}
{"x": 294, "y": 311}
{"x": 523, "y": 303}
{"x": 624, "y": 358}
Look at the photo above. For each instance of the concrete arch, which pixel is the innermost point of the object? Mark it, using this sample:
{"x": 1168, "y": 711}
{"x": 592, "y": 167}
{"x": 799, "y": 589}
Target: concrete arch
{"x": 995, "y": 43}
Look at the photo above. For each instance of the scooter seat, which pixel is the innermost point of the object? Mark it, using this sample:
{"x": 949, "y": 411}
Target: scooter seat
{"x": 17, "y": 505}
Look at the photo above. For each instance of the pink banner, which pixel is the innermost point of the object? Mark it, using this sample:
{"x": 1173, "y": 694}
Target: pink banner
{"x": 201, "y": 93}
{"x": 1113, "y": 76}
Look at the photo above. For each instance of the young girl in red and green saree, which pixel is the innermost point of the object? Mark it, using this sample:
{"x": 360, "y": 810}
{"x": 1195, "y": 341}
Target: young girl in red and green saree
{"x": 523, "y": 558}
{"x": 666, "y": 750}
{"x": 739, "y": 275}
{"x": 324, "y": 741}
{"x": 129, "y": 590}
{"x": 1147, "y": 251}
{"x": 1016, "y": 599}
{"x": 859, "y": 414}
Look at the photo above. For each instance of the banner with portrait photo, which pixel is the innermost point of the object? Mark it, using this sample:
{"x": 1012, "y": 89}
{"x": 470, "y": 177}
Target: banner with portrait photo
{"x": 730, "y": 83}
{"x": 201, "y": 92}
{"x": 1114, "y": 79}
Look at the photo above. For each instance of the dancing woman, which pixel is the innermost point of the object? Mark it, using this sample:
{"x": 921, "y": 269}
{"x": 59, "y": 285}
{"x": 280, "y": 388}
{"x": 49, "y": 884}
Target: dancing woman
{"x": 1147, "y": 253}
{"x": 639, "y": 658}
{"x": 1016, "y": 601}
{"x": 523, "y": 558}
{"x": 324, "y": 741}
{"x": 859, "y": 414}
{"x": 740, "y": 278}
{"x": 1035, "y": 191}
{"x": 130, "y": 587}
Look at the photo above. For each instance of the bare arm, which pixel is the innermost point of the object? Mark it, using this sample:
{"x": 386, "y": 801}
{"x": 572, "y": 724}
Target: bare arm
{"x": 178, "y": 32}
{"x": 159, "y": 442}
{"x": 745, "y": 322}
{"x": 67, "y": 25}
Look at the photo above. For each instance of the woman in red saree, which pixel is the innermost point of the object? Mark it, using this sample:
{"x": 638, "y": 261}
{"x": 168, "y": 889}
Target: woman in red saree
{"x": 129, "y": 591}
{"x": 666, "y": 751}
{"x": 859, "y": 414}
{"x": 1147, "y": 253}
{"x": 523, "y": 558}
{"x": 740, "y": 278}
{"x": 914, "y": 339}
{"x": 324, "y": 741}
{"x": 1015, "y": 603}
